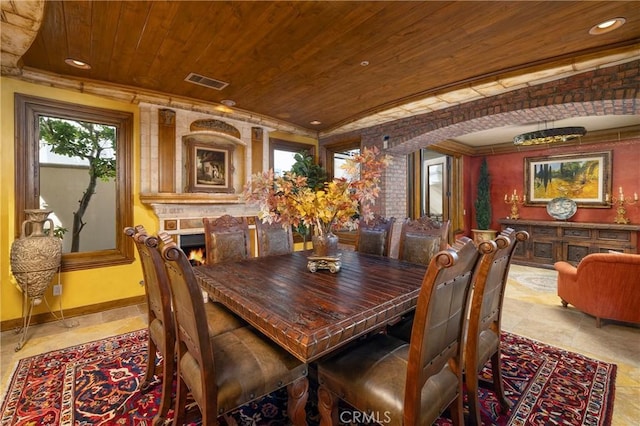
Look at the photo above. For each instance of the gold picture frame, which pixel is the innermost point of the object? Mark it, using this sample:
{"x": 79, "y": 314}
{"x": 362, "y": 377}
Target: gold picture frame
{"x": 584, "y": 178}
{"x": 209, "y": 168}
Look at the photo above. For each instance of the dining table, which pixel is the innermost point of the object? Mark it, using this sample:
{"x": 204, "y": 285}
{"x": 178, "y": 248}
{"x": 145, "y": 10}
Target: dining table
{"x": 311, "y": 314}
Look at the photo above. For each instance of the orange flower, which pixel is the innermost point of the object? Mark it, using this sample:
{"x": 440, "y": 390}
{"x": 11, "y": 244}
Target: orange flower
{"x": 341, "y": 203}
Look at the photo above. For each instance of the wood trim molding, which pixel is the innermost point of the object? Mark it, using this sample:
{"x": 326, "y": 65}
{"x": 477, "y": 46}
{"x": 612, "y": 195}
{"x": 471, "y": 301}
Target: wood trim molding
{"x": 166, "y": 150}
{"x": 47, "y": 317}
{"x": 28, "y": 109}
{"x": 616, "y": 135}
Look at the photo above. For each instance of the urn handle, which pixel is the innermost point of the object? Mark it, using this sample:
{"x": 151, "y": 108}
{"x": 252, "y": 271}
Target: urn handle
{"x": 50, "y": 221}
{"x": 24, "y": 227}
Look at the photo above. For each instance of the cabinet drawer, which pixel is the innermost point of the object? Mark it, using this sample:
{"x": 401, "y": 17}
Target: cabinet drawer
{"x": 539, "y": 231}
{"x": 577, "y": 233}
{"x": 573, "y": 253}
{"x": 544, "y": 251}
{"x": 613, "y": 235}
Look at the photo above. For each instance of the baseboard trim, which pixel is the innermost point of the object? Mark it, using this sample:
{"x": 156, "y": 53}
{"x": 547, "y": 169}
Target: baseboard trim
{"x": 46, "y": 317}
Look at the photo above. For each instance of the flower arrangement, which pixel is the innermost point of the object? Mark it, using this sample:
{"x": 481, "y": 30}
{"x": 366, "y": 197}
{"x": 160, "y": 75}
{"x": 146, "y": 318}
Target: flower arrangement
{"x": 339, "y": 203}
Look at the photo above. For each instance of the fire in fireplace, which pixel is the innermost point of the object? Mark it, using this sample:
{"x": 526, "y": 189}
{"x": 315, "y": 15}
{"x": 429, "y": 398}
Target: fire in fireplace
{"x": 197, "y": 257}
{"x": 194, "y": 247}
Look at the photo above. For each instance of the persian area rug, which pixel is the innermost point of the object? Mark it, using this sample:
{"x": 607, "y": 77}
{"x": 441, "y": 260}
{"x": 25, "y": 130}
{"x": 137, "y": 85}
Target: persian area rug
{"x": 97, "y": 383}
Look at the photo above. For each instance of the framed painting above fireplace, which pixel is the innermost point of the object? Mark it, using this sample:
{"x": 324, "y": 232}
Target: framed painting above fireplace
{"x": 209, "y": 167}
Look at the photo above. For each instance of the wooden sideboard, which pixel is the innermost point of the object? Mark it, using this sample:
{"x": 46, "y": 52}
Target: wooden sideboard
{"x": 551, "y": 241}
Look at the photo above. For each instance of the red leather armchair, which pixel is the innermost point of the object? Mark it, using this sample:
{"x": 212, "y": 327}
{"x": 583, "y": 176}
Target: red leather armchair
{"x": 605, "y": 285}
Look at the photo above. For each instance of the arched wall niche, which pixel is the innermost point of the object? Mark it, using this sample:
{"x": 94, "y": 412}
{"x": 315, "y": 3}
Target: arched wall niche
{"x": 213, "y": 161}
{"x": 217, "y": 126}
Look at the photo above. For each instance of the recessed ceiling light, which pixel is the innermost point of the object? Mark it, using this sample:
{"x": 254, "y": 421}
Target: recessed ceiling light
{"x": 77, "y": 64}
{"x": 228, "y": 102}
{"x": 315, "y": 122}
{"x": 607, "y": 26}
{"x": 364, "y": 63}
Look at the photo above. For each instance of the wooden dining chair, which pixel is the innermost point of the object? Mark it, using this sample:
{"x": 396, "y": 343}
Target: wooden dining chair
{"x": 482, "y": 342}
{"x": 160, "y": 319}
{"x": 229, "y": 370}
{"x": 226, "y": 239}
{"x": 410, "y": 383}
{"x": 421, "y": 239}
{"x": 162, "y": 335}
{"x": 274, "y": 238}
{"x": 374, "y": 236}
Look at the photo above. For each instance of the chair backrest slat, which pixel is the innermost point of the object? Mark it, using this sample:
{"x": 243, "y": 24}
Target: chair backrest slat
{"x": 274, "y": 238}
{"x": 421, "y": 239}
{"x": 226, "y": 238}
{"x": 374, "y": 236}
{"x": 440, "y": 318}
{"x": 157, "y": 289}
{"x": 488, "y": 295}
{"x": 192, "y": 334}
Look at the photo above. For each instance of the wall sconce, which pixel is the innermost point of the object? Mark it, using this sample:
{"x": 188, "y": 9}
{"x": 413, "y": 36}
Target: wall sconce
{"x": 385, "y": 142}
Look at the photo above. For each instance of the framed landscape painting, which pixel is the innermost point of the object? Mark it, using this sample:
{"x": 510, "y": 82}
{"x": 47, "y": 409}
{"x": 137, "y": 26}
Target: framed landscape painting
{"x": 584, "y": 178}
{"x": 209, "y": 168}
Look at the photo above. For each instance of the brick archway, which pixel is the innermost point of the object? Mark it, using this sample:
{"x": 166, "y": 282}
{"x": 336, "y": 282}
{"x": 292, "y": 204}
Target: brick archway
{"x": 518, "y": 117}
{"x": 606, "y": 91}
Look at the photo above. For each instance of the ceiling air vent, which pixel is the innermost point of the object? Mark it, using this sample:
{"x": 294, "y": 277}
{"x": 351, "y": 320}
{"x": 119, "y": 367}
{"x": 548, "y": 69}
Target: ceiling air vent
{"x": 206, "y": 81}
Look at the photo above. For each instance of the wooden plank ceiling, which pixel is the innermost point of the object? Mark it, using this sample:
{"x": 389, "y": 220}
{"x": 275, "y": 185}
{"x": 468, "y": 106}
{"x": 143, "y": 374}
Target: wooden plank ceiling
{"x": 303, "y": 61}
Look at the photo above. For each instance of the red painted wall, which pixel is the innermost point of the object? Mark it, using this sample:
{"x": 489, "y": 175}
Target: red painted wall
{"x": 507, "y": 173}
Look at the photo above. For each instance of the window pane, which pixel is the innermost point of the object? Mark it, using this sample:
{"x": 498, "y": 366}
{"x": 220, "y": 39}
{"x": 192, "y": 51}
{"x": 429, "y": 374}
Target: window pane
{"x": 339, "y": 159}
{"x": 435, "y": 190}
{"x": 282, "y": 161}
{"x": 77, "y": 182}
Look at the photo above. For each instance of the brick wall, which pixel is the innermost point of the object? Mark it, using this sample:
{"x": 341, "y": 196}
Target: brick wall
{"x": 607, "y": 91}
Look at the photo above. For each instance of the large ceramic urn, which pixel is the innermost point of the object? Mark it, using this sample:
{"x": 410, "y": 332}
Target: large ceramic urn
{"x": 35, "y": 257}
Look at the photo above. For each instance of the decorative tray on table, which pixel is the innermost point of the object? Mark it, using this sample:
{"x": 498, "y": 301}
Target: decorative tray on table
{"x": 332, "y": 263}
{"x": 562, "y": 208}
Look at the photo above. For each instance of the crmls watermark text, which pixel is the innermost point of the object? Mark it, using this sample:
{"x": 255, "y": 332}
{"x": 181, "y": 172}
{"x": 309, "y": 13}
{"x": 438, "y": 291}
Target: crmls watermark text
{"x": 364, "y": 418}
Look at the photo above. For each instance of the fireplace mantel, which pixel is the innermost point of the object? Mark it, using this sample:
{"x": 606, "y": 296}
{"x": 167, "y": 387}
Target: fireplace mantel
{"x": 182, "y": 213}
{"x": 195, "y": 205}
{"x": 189, "y": 198}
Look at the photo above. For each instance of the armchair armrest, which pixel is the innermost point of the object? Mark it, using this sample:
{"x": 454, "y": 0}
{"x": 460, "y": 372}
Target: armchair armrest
{"x": 566, "y": 269}
{"x": 567, "y": 282}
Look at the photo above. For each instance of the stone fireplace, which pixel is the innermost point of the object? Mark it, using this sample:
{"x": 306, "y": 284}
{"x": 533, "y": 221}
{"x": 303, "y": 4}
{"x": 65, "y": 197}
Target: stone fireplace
{"x": 166, "y": 161}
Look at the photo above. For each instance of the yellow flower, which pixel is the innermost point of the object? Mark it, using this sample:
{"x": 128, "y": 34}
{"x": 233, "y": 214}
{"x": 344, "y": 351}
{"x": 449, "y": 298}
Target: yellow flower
{"x": 340, "y": 203}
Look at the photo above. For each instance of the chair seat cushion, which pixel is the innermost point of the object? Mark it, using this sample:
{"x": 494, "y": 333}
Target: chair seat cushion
{"x": 247, "y": 365}
{"x": 220, "y": 319}
{"x": 371, "y": 376}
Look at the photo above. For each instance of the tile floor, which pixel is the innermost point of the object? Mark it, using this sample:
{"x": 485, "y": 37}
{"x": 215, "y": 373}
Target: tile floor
{"x": 531, "y": 309}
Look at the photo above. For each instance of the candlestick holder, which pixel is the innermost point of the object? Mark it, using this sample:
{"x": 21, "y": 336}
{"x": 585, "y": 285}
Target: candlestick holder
{"x": 515, "y": 200}
{"x": 619, "y": 203}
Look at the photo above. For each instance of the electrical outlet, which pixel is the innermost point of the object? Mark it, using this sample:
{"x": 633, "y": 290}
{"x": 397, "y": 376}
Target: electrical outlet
{"x": 57, "y": 289}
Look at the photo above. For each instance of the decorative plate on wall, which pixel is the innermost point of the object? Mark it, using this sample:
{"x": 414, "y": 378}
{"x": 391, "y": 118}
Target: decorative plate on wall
{"x": 562, "y": 208}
